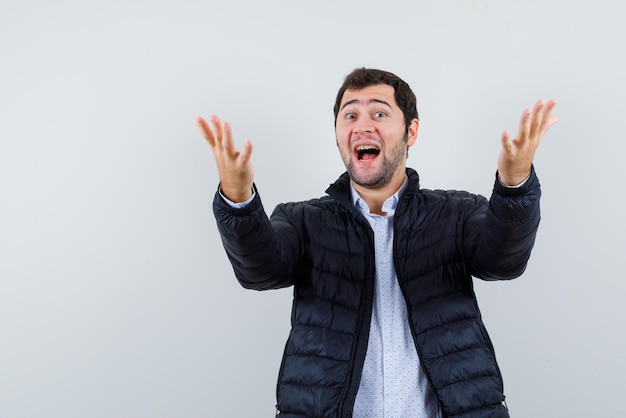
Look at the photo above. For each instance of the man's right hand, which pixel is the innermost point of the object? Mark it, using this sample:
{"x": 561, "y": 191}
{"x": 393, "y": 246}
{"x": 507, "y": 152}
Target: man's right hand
{"x": 234, "y": 166}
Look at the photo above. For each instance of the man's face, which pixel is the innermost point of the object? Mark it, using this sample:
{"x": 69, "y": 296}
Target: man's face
{"x": 371, "y": 136}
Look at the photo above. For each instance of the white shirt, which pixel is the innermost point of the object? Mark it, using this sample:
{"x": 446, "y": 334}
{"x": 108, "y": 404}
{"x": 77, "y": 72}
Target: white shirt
{"x": 393, "y": 384}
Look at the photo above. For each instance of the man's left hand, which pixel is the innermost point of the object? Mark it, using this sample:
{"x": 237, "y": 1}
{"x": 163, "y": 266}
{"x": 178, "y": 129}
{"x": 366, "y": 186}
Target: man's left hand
{"x": 516, "y": 156}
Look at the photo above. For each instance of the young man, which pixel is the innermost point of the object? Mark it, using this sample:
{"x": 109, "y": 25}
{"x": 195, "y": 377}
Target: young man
{"x": 385, "y": 322}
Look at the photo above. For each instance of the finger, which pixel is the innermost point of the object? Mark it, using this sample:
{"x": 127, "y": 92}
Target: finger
{"x": 228, "y": 142}
{"x": 548, "y": 118}
{"x": 505, "y": 139}
{"x": 552, "y": 121}
{"x": 206, "y": 131}
{"x": 524, "y": 125}
{"x": 246, "y": 152}
{"x": 536, "y": 123}
{"x": 219, "y": 131}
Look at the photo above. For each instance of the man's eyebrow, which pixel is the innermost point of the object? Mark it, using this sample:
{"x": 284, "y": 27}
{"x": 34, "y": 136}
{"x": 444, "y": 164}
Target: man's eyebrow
{"x": 354, "y": 101}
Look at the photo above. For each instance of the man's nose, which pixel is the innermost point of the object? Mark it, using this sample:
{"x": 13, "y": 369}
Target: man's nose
{"x": 363, "y": 127}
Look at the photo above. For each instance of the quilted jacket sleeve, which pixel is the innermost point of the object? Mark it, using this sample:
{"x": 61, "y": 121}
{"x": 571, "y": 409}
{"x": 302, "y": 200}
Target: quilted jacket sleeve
{"x": 264, "y": 254}
{"x": 499, "y": 237}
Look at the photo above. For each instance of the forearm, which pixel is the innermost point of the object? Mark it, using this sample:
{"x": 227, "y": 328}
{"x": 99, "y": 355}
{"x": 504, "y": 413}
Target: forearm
{"x": 507, "y": 234}
{"x": 261, "y": 255}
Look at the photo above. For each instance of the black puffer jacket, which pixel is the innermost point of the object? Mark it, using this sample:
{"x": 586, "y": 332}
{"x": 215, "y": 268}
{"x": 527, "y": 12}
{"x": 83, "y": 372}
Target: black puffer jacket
{"x": 325, "y": 249}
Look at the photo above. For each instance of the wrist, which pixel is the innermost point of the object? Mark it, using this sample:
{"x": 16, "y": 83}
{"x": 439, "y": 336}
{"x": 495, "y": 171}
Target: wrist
{"x": 513, "y": 179}
{"x": 236, "y": 194}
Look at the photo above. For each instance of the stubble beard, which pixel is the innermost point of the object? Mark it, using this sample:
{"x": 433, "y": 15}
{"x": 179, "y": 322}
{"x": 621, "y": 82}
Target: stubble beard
{"x": 388, "y": 167}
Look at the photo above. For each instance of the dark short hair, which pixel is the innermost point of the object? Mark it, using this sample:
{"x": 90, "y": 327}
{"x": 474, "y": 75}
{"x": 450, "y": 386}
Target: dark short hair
{"x": 365, "y": 77}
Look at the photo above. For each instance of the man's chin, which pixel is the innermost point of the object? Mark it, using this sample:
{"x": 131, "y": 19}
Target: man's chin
{"x": 375, "y": 181}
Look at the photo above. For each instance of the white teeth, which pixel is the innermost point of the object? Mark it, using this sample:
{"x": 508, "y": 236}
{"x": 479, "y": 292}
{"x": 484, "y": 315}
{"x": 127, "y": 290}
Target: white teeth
{"x": 366, "y": 148}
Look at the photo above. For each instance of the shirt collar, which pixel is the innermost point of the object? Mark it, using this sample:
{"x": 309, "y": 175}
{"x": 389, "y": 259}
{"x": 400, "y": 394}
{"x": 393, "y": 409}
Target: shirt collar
{"x": 390, "y": 204}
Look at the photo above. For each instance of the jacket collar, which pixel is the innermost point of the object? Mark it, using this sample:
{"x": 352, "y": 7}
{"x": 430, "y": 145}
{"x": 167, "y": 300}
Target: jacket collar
{"x": 340, "y": 189}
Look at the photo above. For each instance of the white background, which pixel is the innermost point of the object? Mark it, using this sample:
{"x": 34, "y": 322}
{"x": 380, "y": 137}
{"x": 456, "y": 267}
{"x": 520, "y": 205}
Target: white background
{"x": 116, "y": 297}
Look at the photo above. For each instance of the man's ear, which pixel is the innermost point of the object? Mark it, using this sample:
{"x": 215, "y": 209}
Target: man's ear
{"x": 412, "y": 132}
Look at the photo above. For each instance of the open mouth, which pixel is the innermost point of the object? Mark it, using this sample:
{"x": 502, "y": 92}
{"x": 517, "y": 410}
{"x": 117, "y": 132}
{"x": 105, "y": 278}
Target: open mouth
{"x": 367, "y": 152}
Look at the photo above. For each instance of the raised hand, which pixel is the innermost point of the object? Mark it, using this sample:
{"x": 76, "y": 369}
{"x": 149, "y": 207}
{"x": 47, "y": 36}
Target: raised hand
{"x": 516, "y": 156}
{"x": 234, "y": 166}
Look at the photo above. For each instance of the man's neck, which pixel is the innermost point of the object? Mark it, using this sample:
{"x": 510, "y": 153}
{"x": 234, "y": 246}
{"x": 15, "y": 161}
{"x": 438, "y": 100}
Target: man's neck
{"x": 376, "y": 197}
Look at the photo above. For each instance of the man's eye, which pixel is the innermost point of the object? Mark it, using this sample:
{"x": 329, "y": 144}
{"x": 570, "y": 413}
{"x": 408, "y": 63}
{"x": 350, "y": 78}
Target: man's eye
{"x": 380, "y": 114}
{"x": 350, "y": 116}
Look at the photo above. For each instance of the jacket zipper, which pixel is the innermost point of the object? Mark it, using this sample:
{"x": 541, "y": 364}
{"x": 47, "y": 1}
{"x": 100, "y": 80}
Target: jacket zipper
{"x": 408, "y": 311}
{"x": 360, "y": 350}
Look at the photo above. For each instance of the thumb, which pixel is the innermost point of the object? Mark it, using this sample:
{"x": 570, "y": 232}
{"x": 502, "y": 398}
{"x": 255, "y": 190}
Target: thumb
{"x": 505, "y": 139}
